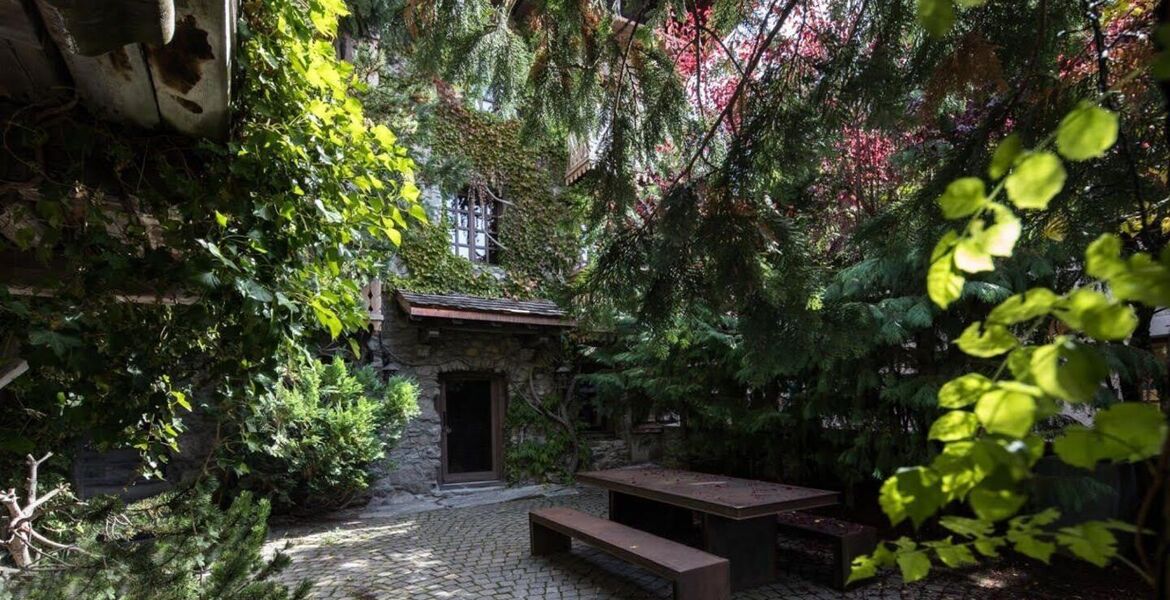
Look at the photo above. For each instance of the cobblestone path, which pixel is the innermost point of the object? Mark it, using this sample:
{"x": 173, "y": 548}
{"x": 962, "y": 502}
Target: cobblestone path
{"x": 482, "y": 552}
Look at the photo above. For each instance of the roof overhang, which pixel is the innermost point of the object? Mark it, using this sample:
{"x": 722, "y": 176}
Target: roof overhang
{"x": 150, "y": 63}
{"x": 460, "y": 309}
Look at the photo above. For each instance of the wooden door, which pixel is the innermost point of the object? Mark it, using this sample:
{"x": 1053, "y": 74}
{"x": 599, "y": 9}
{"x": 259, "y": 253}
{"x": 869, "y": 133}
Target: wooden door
{"x": 471, "y": 411}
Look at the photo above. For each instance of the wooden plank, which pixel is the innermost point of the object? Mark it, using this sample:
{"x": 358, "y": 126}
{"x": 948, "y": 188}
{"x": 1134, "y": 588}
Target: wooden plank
{"x": 96, "y": 28}
{"x": 29, "y": 73}
{"x": 18, "y": 25}
{"x": 192, "y": 73}
{"x": 116, "y": 86}
{"x": 663, "y": 556}
{"x": 11, "y": 369}
{"x": 729, "y": 497}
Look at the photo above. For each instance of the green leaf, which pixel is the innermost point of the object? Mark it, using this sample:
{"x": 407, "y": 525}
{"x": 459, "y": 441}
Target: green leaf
{"x": 328, "y": 318}
{"x": 967, "y": 527}
{"x": 1000, "y": 239}
{"x": 970, "y": 256}
{"x": 1090, "y": 541}
{"x": 1033, "y": 547}
{"x": 1007, "y": 412}
{"x": 1141, "y": 428}
{"x": 394, "y": 235}
{"x": 943, "y": 284}
{"x": 963, "y": 391}
{"x": 995, "y": 505}
{"x": 57, "y": 342}
{"x": 1103, "y": 257}
{"x": 1036, "y": 181}
{"x": 1078, "y": 447}
{"x": 418, "y": 212}
{"x": 250, "y": 288}
{"x": 1098, "y": 316}
{"x": 989, "y": 547}
{"x": 911, "y": 492}
{"x": 985, "y": 341}
{"x": 221, "y": 219}
{"x": 955, "y": 556}
{"x": 936, "y": 16}
{"x": 1069, "y": 371}
{"x": 1029, "y": 305}
{"x": 914, "y": 565}
{"x": 1005, "y": 156}
{"x": 954, "y": 425}
{"x": 963, "y": 197}
{"x": 1086, "y": 132}
{"x": 181, "y": 399}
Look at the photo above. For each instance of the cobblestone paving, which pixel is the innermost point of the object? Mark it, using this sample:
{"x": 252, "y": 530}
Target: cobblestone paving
{"x": 482, "y": 552}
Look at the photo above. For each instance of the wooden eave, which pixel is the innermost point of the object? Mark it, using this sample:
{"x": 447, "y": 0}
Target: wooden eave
{"x": 478, "y": 316}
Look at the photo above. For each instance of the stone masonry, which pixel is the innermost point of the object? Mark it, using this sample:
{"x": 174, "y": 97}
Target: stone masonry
{"x": 425, "y": 351}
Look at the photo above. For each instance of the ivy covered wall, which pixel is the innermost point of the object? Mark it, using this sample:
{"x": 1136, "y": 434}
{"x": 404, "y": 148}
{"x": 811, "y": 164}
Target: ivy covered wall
{"x": 541, "y": 225}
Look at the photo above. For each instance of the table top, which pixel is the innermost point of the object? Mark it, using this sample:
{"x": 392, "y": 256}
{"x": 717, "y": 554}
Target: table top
{"x": 729, "y": 497}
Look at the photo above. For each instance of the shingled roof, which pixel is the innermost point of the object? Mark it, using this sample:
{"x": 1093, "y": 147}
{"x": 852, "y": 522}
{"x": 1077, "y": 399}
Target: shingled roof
{"x": 474, "y": 308}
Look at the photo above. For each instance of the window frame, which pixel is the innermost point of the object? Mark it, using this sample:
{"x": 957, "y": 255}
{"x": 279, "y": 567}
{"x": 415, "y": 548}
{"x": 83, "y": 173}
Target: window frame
{"x": 475, "y": 215}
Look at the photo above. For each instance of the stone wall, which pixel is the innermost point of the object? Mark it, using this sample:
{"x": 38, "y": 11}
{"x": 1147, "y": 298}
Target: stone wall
{"x": 425, "y": 350}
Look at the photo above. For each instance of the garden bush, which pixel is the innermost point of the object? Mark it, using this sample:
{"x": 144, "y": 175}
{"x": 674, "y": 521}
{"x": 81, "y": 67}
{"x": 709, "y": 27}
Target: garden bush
{"x": 311, "y": 442}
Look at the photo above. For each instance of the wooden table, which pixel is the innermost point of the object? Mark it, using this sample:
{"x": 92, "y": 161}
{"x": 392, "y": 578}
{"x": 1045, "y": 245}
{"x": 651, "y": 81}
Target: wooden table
{"x": 726, "y": 516}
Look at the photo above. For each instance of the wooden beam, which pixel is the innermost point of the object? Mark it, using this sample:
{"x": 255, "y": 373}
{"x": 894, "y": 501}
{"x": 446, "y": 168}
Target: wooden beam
{"x": 11, "y": 369}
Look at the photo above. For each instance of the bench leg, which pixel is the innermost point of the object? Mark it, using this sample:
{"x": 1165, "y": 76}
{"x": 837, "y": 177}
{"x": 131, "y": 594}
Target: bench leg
{"x": 547, "y": 541}
{"x": 848, "y": 548}
{"x": 750, "y": 545}
{"x": 706, "y": 584}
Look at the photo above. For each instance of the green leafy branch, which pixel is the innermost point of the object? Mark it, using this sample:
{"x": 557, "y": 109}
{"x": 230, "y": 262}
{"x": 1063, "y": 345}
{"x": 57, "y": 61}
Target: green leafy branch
{"x": 989, "y": 448}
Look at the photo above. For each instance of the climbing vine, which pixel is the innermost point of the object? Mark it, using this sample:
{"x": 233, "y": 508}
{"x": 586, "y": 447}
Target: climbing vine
{"x": 541, "y": 222}
{"x": 236, "y": 252}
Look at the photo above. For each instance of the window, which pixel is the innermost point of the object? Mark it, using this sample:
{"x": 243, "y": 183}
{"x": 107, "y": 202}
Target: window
{"x": 475, "y": 227}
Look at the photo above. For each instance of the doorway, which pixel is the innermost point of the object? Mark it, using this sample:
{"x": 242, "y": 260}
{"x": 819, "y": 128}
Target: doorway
{"x": 471, "y": 408}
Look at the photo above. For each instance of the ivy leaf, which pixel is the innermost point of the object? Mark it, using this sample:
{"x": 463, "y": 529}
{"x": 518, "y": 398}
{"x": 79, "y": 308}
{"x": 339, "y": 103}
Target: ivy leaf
{"x": 985, "y": 341}
{"x": 221, "y": 219}
{"x": 1029, "y": 305}
{"x": 1090, "y": 541}
{"x": 1005, "y": 156}
{"x": 936, "y": 16}
{"x": 995, "y": 505}
{"x": 963, "y": 197}
{"x": 963, "y": 391}
{"x": 328, "y": 318}
{"x": 1086, "y": 132}
{"x": 250, "y": 288}
{"x": 1007, "y": 412}
{"x": 954, "y": 425}
{"x": 57, "y": 342}
{"x": 1036, "y": 181}
{"x": 914, "y": 565}
{"x": 911, "y": 492}
{"x": 943, "y": 284}
{"x": 418, "y": 212}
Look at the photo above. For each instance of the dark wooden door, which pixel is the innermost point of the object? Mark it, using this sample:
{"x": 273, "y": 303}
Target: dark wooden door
{"x": 471, "y": 406}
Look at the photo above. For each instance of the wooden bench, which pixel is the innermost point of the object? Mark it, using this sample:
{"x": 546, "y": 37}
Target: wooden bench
{"x": 850, "y": 540}
{"x": 696, "y": 574}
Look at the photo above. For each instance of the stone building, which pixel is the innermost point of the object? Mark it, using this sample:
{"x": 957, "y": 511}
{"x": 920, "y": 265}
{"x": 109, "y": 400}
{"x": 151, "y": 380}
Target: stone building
{"x": 470, "y": 356}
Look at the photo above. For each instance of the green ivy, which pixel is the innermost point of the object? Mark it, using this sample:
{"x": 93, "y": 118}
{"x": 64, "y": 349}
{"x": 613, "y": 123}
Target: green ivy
{"x": 269, "y": 236}
{"x": 540, "y": 229}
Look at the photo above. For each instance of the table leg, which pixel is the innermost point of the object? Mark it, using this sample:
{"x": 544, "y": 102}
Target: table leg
{"x": 658, "y": 518}
{"x": 750, "y": 545}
